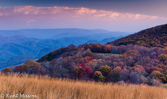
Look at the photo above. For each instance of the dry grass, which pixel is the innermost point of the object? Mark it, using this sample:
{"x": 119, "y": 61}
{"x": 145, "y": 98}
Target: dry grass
{"x": 46, "y": 88}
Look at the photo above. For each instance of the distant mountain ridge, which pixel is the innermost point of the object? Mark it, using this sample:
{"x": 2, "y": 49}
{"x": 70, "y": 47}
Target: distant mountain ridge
{"x": 139, "y": 59}
{"x": 104, "y": 41}
{"x": 18, "y": 46}
{"x": 60, "y": 33}
{"x": 152, "y": 37}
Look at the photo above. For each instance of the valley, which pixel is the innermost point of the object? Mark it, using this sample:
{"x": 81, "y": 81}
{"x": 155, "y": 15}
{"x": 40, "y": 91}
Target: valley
{"x": 19, "y": 46}
{"x": 129, "y": 63}
{"x": 83, "y": 49}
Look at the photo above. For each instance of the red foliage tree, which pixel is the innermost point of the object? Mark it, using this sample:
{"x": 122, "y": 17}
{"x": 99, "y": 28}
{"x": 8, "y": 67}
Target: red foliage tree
{"x": 83, "y": 72}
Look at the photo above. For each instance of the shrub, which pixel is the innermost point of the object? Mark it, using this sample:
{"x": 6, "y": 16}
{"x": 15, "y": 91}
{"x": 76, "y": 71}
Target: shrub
{"x": 98, "y": 76}
{"x": 105, "y": 70}
{"x": 88, "y": 58}
{"x": 78, "y": 72}
{"x": 114, "y": 74}
{"x": 124, "y": 75}
{"x": 162, "y": 57}
{"x": 139, "y": 67}
{"x": 117, "y": 69}
{"x": 6, "y": 70}
{"x": 89, "y": 53}
{"x": 30, "y": 67}
{"x": 156, "y": 74}
{"x": 155, "y": 82}
{"x": 134, "y": 53}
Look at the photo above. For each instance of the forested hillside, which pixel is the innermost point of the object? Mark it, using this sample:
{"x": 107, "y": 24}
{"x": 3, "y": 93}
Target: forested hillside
{"x": 130, "y": 63}
{"x": 19, "y": 46}
{"x": 153, "y": 37}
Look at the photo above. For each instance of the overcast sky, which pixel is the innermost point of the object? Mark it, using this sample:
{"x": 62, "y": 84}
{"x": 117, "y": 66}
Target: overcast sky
{"x": 113, "y": 15}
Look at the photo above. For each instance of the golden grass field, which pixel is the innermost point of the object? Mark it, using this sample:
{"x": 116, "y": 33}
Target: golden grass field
{"x": 19, "y": 87}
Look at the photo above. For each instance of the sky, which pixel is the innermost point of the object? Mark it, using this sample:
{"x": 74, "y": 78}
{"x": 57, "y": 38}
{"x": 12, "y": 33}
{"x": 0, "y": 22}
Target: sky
{"x": 113, "y": 15}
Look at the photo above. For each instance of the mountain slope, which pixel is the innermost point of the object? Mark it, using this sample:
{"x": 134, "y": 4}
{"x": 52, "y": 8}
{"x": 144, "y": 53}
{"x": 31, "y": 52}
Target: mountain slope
{"x": 5, "y": 55}
{"x": 46, "y": 51}
{"x": 128, "y": 63}
{"x": 67, "y": 51}
{"x": 15, "y": 39}
{"x": 17, "y": 49}
{"x": 104, "y": 41}
{"x": 153, "y": 37}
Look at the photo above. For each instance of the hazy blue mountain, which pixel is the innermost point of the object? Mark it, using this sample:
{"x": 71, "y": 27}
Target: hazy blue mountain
{"x": 93, "y": 41}
{"x": 60, "y": 33}
{"x": 5, "y": 55}
{"x": 16, "y": 60}
{"x": 15, "y": 39}
{"x": 2, "y": 59}
{"x": 104, "y": 41}
{"x": 18, "y": 46}
{"x": 17, "y": 49}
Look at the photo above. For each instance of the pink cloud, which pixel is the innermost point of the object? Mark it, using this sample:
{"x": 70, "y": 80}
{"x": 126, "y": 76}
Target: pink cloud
{"x": 1, "y": 14}
{"x": 30, "y": 10}
{"x": 57, "y": 17}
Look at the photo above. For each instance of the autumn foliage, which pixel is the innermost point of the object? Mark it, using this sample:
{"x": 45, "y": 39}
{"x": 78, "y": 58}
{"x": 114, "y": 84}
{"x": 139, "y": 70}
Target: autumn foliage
{"x": 130, "y": 64}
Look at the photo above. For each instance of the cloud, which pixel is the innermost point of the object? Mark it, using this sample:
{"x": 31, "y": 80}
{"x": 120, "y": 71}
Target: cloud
{"x": 55, "y": 17}
{"x": 30, "y": 10}
{"x": 1, "y": 14}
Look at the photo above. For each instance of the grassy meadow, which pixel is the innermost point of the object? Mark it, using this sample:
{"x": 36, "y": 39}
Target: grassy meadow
{"x": 33, "y": 87}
